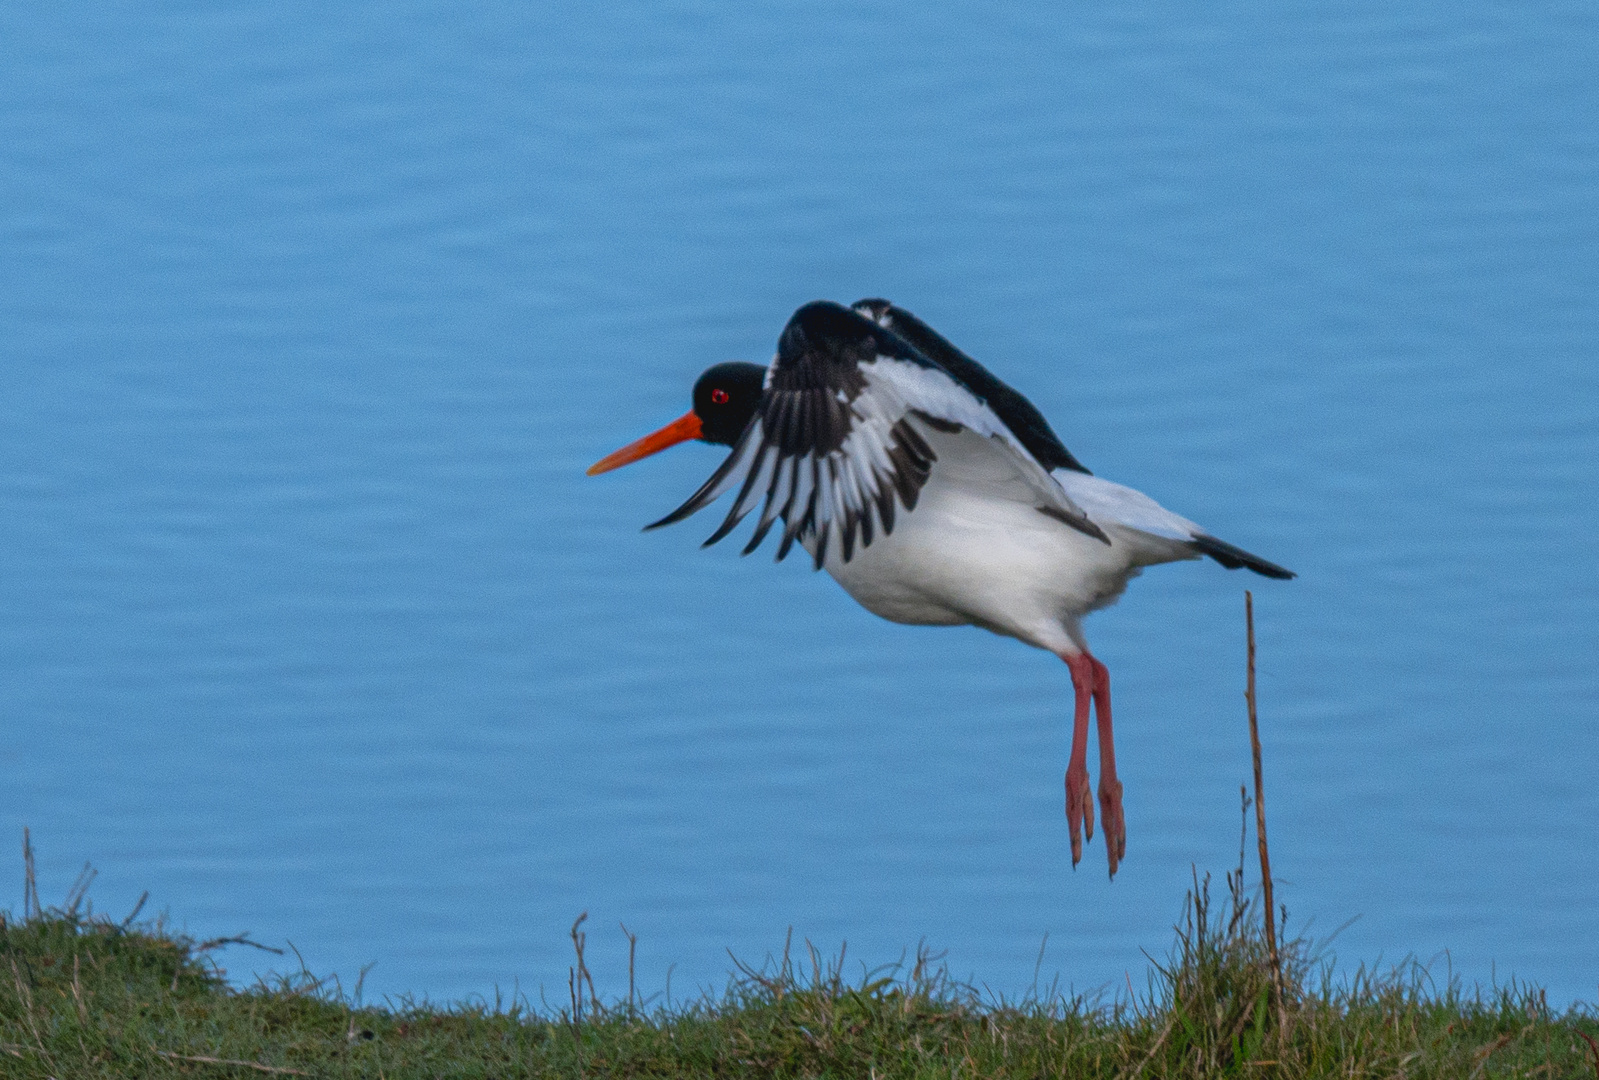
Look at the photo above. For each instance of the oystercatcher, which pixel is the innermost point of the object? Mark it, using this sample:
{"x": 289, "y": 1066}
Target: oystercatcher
{"x": 935, "y": 495}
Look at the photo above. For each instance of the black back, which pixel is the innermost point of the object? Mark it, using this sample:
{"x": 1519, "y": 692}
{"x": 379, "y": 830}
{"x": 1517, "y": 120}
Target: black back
{"x": 1018, "y": 414}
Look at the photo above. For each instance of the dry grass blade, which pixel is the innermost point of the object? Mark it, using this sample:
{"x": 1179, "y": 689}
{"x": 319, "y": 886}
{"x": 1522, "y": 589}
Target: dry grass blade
{"x": 240, "y": 1062}
{"x": 236, "y": 939}
{"x": 1153, "y": 1050}
{"x": 137, "y": 907}
{"x": 77, "y": 993}
{"x": 1488, "y": 1051}
{"x": 80, "y": 889}
{"x": 25, "y": 999}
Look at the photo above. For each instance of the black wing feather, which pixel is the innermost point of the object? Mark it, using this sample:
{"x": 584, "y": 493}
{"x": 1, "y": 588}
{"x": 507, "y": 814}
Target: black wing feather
{"x": 1235, "y": 558}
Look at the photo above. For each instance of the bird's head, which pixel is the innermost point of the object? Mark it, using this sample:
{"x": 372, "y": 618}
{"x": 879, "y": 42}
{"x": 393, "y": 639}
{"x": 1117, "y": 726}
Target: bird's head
{"x": 725, "y": 398}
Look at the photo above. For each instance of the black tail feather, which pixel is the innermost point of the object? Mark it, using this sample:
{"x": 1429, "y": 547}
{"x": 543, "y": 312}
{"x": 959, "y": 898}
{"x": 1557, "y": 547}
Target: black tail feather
{"x": 1235, "y": 557}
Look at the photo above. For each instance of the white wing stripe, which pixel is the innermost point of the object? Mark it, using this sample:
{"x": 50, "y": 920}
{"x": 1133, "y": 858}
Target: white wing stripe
{"x": 776, "y": 500}
{"x": 933, "y": 392}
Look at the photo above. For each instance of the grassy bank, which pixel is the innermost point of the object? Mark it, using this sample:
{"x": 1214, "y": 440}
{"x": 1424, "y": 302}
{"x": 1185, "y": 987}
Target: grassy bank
{"x": 87, "y": 997}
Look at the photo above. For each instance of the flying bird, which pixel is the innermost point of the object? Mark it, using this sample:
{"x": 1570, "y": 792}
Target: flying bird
{"x": 936, "y": 495}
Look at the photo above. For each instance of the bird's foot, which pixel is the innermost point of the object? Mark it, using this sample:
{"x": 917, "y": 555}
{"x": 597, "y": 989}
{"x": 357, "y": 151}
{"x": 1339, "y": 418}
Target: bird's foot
{"x": 1080, "y": 808}
{"x": 1112, "y": 823}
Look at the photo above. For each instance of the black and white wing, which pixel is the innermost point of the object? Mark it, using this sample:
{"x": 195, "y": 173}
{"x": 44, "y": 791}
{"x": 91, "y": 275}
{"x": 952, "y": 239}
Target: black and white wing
{"x": 838, "y": 438}
{"x": 1107, "y": 502}
{"x": 1020, "y": 415}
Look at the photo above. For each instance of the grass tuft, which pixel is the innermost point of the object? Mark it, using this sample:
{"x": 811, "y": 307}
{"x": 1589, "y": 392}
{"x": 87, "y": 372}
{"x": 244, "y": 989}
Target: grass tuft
{"x": 84, "y": 996}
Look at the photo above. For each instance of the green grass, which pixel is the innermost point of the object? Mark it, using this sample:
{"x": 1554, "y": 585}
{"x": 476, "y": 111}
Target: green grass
{"x": 84, "y": 996}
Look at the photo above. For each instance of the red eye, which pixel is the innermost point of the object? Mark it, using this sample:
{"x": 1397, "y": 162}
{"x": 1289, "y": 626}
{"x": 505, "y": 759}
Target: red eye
{"x": 719, "y": 397}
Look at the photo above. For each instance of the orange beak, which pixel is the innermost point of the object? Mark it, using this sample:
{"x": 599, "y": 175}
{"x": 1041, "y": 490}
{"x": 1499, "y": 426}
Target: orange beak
{"x": 682, "y": 429}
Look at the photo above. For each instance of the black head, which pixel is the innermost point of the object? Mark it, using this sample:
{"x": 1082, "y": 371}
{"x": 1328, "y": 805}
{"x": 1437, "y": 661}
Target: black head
{"x": 725, "y": 398}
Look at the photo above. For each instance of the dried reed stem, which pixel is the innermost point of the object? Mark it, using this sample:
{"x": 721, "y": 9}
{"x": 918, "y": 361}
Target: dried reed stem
{"x": 632, "y": 954}
{"x": 134, "y": 914}
{"x": 30, "y": 881}
{"x": 580, "y": 974}
{"x": 1260, "y": 820}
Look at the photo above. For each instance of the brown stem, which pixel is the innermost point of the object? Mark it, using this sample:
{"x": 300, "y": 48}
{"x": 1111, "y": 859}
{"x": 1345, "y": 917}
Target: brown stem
{"x": 632, "y": 953}
{"x": 30, "y": 881}
{"x": 1594, "y": 1047}
{"x": 1260, "y": 818}
{"x": 579, "y": 973}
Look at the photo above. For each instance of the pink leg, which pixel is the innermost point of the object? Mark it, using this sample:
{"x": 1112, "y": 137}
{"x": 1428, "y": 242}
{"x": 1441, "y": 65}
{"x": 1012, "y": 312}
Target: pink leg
{"x": 1079, "y": 803}
{"x": 1110, "y": 788}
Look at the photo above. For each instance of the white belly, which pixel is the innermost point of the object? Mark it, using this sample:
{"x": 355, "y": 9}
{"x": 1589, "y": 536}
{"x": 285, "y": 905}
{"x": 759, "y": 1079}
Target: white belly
{"x": 977, "y": 550}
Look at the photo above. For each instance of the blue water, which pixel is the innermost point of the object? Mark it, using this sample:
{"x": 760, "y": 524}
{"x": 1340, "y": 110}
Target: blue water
{"x": 311, "y": 317}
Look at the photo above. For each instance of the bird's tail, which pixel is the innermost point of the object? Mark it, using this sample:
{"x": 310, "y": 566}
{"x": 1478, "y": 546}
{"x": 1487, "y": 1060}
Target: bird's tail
{"x": 1234, "y": 558}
